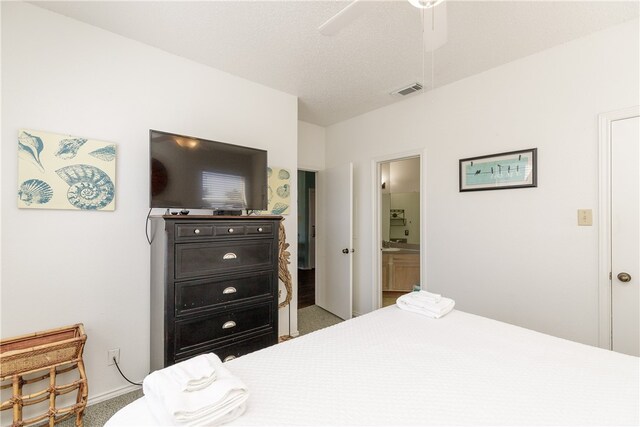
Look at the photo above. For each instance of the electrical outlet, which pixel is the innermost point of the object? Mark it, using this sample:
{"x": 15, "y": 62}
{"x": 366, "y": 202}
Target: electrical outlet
{"x": 111, "y": 354}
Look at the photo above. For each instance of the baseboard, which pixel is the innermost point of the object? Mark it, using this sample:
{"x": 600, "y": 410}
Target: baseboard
{"x": 111, "y": 394}
{"x": 295, "y": 334}
{"x": 356, "y": 314}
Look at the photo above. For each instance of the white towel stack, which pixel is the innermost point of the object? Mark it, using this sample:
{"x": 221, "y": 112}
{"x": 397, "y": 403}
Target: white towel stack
{"x": 196, "y": 392}
{"x": 426, "y": 303}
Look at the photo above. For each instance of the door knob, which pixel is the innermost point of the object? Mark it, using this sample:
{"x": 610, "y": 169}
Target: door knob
{"x": 345, "y": 251}
{"x": 624, "y": 277}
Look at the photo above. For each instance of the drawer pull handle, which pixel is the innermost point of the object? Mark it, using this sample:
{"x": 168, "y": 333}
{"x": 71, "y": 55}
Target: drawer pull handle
{"x": 230, "y": 230}
{"x": 197, "y": 231}
{"x": 228, "y": 325}
{"x": 259, "y": 229}
{"x": 231, "y": 357}
{"x": 230, "y": 255}
{"x": 229, "y": 290}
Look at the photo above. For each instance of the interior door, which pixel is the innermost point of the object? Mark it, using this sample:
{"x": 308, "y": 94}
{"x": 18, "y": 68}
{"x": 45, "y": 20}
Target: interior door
{"x": 336, "y": 186}
{"x": 625, "y": 235}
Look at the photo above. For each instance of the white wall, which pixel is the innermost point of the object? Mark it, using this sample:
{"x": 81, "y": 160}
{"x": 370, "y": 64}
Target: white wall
{"x": 404, "y": 176}
{"x": 62, "y": 267}
{"x": 513, "y": 255}
{"x": 410, "y": 202}
{"x": 311, "y": 146}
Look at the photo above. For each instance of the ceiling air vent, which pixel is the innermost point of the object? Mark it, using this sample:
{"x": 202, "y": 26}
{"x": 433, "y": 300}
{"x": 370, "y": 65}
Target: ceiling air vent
{"x": 408, "y": 90}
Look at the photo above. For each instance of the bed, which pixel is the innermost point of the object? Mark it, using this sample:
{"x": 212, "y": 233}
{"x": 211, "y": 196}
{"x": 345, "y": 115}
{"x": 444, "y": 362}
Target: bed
{"x": 392, "y": 367}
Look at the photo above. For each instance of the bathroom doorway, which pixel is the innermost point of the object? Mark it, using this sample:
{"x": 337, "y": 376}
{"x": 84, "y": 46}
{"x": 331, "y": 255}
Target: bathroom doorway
{"x": 400, "y": 216}
{"x": 306, "y": 239}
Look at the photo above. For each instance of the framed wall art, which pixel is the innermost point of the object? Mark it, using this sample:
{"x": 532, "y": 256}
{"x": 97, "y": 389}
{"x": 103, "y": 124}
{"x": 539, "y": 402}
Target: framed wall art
{"x": 513, "y": 169}
{"x": 65, "y": 172}
{"x": 279, "y": 191}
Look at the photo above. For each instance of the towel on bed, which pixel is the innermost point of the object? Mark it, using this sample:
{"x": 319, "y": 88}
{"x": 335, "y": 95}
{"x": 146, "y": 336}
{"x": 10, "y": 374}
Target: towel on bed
{"x": 426, "y": 296}
{"x": 197, "y": 373}
{"x": 425, "y": 306}
{"x": 220, "y": 402}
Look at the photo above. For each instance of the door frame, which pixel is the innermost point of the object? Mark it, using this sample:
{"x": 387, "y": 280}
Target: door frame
{"x": 604, "y": 222}
{"x": 376, "y": 254}
{"x": 294, "y": 322}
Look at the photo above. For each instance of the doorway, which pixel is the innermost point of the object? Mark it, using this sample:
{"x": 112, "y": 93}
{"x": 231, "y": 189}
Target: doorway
{"x": 306, "y": 239}
{"x": 620, "y": 231}
{"x": 399, "y": 207}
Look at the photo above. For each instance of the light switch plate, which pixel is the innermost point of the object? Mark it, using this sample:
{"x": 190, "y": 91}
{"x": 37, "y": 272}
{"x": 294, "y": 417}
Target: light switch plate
{"x": 585, "y": 217}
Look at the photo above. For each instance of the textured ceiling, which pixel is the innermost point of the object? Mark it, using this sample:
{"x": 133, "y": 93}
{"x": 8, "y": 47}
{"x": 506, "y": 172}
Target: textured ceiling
{"x": 276, "y": 43}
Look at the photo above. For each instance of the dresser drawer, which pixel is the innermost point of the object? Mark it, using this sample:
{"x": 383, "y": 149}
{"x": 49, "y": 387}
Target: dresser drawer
{"x": 260, "y": 229}
{"x": 230, "y": 350}
{"x": 194, "y": 230}
{"x": 203, "y": 259}
{"x": 230, "y": 229}
{"x": 252, "y": 228}
{"x": 205, "y": 330}
{"x": 201, "y": 295}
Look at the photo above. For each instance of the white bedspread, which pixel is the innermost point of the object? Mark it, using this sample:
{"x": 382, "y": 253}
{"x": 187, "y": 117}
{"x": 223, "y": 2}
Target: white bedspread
{"x": 393, "y": 367}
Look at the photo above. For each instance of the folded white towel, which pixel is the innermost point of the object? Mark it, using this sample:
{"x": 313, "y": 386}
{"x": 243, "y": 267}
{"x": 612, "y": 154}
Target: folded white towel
{"x": 427, "y": 296}
{"x": 214, "y": 403}
{"x": 162, "y": 418}
{"x": 195, "y": 373}
{"x": 419, "y": 305}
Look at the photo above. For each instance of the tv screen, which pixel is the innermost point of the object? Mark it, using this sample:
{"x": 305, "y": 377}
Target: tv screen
{"x": 195, "y": 173}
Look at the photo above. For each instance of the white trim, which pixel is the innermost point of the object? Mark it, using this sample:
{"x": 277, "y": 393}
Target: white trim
{"x": 318, "y": 267}
{"x": 309, "y": 168}
{"x": 604, "y": 221}
{"x": 376, "y": 255}
{"x": 111, "y": 394}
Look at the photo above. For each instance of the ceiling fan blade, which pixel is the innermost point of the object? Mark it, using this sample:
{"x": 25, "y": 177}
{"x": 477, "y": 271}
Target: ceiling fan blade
{"x": 435, "y": 27}
{"x": 346, "y": 16}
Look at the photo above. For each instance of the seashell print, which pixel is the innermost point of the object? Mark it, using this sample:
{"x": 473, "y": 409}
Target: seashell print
{"x": 90, "y": 188}
{"x": 68, "y": 148}
{"x": 269, "y": 172}
{"x": 269, "y": 194}
{"x": 30, "y": 147}
{"x": 279, "y": 208}
{"x": 283, "y": 174}
{"x": 35, "y": 191}
{"x": 107, "y": 153}
{"x": 283, "y": 191}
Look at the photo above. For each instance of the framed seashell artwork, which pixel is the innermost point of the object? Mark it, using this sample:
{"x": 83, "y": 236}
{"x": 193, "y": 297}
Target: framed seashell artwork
{"x": 279, "y": 191}
{"x": 65, "y": 172}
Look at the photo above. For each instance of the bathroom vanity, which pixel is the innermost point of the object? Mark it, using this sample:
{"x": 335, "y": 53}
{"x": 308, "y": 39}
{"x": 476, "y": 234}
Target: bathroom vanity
{"x": 400, "y": 269}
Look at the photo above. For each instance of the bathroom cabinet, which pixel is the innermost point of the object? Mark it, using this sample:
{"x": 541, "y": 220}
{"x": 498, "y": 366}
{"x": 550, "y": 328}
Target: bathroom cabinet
{"x": 400, "y": 271}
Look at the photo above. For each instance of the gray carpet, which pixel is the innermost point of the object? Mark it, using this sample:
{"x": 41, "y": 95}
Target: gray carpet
{"x": 97, "y": 415}
{"x": 313, "y": 318}
{"x": 310, "y": 319}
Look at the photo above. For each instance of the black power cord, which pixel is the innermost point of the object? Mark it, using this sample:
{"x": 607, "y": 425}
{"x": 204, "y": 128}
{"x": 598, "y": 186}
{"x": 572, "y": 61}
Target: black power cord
{"x": 123, "y": 376}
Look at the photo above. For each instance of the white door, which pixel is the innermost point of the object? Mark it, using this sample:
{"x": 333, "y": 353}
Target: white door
{"x": 337, "y": 199}
{"x": 625, "y": 235}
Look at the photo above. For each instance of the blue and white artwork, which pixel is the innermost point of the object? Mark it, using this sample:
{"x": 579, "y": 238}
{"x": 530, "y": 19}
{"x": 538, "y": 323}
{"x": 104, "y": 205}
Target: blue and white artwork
{"x": 68, "y": 148}
{"x": 506, "y": 170}
{"x": 65, "y": 172}
{"x": 107, "y": 153}
{"x": 279, "y": 191}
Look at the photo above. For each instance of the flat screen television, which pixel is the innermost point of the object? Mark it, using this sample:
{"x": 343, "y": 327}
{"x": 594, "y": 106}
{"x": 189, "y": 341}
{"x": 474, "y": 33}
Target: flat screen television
{"x": 195, "y": 173}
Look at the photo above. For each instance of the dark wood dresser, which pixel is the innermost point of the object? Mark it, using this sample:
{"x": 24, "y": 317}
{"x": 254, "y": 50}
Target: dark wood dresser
{"x": 214, "y": 286}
